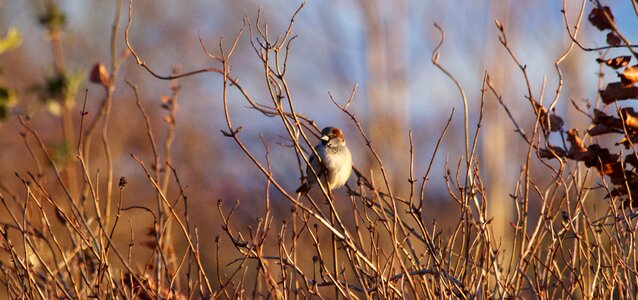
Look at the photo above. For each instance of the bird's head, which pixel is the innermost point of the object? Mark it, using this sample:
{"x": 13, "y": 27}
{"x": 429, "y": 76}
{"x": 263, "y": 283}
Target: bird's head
{"x": 332, "y": 137}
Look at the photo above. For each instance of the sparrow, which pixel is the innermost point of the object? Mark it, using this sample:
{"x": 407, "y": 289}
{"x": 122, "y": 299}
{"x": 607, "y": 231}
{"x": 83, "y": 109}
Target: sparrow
{"x": 334, "y": 163}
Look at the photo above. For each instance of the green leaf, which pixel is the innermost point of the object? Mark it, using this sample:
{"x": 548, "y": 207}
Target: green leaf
{"x": 53, "y": 107}
{"x": 12, "y": 40}
{"x": 75, "y": 80}
{"x": 58, "y": 90}
{"x": 4, "y": 113}
{"x": 53, "y": 18}
{"x": 62, "y": 153}
{"x": 8, "y": 99}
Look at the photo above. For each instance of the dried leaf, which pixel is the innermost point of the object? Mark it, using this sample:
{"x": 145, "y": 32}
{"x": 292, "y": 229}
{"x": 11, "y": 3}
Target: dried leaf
{"x": 598, "y": 114}
{"x": 632, "y": 160}
{"x": 627, "y": 121}
{"x": 628, "y": 142}
{"x": 601, "y": 129}
{"x": 555, "y": 122}
{"x": 614, "y": 170}
{"x": 99, "y": 75}
{"x": 620, "y": 176}
{"x": 618, "y": 192}
{"x": 616, "y": 62}
{"x": 629, "y": 76}
{"x": 616, "y": 91}
{"x": 631, "y": 201}
{"x": 613, "y": 39}
{"x": 575, "y": 141}
{"x": 577, "y": 150}
{"x": 555, "y": 152}
{"x": 600, "y": 117}
{"x": 630, "y": 117}
{"x": 600, "y": 156}
{"x": 580, "y": 156}
{"x": 601, "y": 17}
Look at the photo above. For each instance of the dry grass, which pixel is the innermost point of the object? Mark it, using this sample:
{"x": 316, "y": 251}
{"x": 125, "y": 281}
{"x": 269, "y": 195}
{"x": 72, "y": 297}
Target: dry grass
{"x": 66, "y": 238}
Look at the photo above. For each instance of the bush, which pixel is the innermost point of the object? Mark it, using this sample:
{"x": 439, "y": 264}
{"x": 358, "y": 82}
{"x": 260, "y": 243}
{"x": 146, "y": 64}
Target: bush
{"x": 65, "y": 235}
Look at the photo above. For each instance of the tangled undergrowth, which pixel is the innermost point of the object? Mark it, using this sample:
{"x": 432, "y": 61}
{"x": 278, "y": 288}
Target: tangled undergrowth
{"x": 63, "y": 232}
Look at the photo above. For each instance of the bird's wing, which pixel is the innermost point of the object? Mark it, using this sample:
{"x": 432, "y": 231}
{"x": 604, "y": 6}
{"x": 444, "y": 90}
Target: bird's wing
{"x": 316, "y": 164}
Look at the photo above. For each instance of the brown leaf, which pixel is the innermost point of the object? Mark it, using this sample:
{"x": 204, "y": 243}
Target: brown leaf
{"x": 614, "y": 170}
{"x": 632, "y": 204}
{"x": 602, "y": 118}
{"x": 630, "y": 117}
{"x": 580, "y": 156}
{"x": 577, "y": 150}
{"x": 555, "y": 122}
{"x": 631, "y": 201}
{"x": 616, "y": 91}
{"x": 613, "y": 39}
{"x": 616, "y": 62}
{"x": 600, "y": 129}
{"x": 622, "y": 177}
{"x": 632, "y": 160}
{"x": 555, "y": 152}
{"x": 628, "y": 142}
{"x": 574, "y": 140}
{"x": 600, "y": 156}
{"x": 99, "y": 75}
{"x": 618, "y": 192}
{"x": 601, "y": 17}
{"x": 629, "y": 76}
{"x": 604, "y": 123}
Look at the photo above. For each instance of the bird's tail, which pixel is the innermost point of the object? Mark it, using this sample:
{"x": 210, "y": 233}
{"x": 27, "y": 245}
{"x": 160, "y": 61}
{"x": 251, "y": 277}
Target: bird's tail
{"x": 303, "y": 189}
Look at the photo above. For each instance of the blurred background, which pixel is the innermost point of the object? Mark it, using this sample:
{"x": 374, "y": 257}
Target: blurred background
{"x": 383, "y": 46}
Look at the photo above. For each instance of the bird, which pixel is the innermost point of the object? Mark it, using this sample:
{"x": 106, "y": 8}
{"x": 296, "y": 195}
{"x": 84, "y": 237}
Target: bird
{"x": 334, "y": 163}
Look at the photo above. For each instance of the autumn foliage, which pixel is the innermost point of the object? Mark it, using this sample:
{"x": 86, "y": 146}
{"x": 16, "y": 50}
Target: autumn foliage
{"x": 620, "y": 170}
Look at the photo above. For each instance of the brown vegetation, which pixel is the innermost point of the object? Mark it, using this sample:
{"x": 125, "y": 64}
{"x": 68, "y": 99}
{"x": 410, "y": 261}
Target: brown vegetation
{"x": 73, "y": 228}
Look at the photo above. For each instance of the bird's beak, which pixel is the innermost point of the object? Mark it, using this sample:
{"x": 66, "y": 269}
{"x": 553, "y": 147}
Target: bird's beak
{"x": 325, "y": 138}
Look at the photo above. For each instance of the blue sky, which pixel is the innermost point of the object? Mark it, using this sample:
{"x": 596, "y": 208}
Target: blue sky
{"x": 329, "y": 54}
